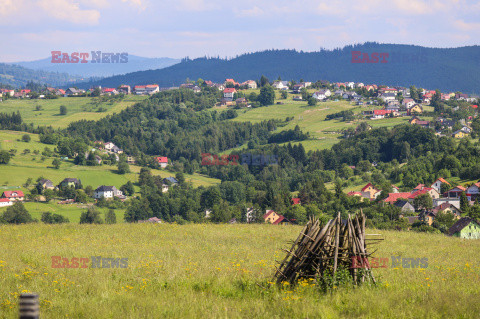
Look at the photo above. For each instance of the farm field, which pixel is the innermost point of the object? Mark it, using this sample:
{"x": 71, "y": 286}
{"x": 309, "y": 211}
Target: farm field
{"x": 24, "y": 165}
{"x": 78, "y": 108}
{"x": 223, "y": 271}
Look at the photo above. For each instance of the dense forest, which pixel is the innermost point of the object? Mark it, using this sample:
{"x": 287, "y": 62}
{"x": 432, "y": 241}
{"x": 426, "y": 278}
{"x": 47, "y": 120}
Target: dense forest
{"x": 449, "y": 69}
{"x": 18, "y": 76}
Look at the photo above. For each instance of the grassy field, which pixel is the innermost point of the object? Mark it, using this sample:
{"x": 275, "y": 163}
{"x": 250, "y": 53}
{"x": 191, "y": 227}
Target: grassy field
{"x": 222, "y": 271}
{"x": 22, "y": 166}
{"x": 78, "y": 108}
{"x": 71, "y": 211}
{"x": 312, "y": 119}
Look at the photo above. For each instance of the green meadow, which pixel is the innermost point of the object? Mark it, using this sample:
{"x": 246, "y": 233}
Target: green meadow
{"x": 224, "y": 271}
{"x": 324, "y": 134}
{"x": 78, "y": 108}
{"x": 29, "y": 165}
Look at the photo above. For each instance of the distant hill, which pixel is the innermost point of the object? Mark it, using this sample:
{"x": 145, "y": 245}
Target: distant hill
{"x": 449, "y": 69}
{"x": 18, "y": 76}
{"x": 135, "y": 63}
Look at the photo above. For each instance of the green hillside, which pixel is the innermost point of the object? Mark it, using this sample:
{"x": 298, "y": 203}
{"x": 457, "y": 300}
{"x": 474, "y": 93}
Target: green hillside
{"x": 29, "y": 165}
{"x": 78, "y": 108}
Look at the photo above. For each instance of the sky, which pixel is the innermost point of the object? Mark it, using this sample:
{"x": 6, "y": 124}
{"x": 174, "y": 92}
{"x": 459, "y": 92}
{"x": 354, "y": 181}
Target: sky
{"x": 193, "y": 28}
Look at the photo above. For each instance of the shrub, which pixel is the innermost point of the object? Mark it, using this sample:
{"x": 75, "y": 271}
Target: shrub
{"x": 91, "y": 216}
{"x": 110, "y": 217}
{"x": 49, "y": 218}
{"x": 16, "y": 214}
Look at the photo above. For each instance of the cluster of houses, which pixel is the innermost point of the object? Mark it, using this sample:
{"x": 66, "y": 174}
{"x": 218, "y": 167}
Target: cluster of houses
{"x": 448, "y": 201}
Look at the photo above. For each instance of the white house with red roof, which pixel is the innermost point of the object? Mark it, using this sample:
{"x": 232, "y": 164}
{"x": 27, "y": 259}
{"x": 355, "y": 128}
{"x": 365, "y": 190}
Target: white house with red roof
{"x": 13, "y": 195}
{"x": 110, "y": 91}
{"x": 380, "y": 114}
{"x": 408, "y": 103}
{"x": 426, "y": 190}
{"x": 162, "y": 161}
{"x": 5, "y": 202}
{"x": 229, "y": 92}
{"x": 146, "y": 89}
{"x": 251, "y": 84}
{"x": 473, "y": 191}
{"x": 393, "y": 197}
{"x": 437, "y": 185}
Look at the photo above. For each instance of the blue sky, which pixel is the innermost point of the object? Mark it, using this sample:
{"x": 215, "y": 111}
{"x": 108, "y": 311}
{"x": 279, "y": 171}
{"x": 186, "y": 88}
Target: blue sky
{"x": 179, "y": 28}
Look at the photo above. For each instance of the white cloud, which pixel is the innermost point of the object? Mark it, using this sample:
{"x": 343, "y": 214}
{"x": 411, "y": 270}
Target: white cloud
{"x": 139, "y": 4}
{"x": 69, "y": 11}
{"x": 194, "y": 5}
{"x": 466, "y": 26}
{"x": 413, "y": 6}
{"x": 7, "y": 7}
{"x": 252, "y": 12}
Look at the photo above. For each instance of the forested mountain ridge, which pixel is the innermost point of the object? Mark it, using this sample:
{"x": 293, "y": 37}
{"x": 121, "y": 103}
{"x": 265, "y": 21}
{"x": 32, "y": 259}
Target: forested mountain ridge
{"x": 134, "y": 63}
{"x": 449, "y": 69}
{"x": 18, "y": 76}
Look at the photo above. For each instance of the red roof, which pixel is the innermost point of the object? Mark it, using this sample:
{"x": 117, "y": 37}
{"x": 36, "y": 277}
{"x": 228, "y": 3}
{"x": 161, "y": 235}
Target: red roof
{"x": 296, "y": 201}
{"x": 229, "y": 90}
{"x": 381, "y": 112}
{"x": 279, "y": 220}
{"x": 420, "y": 192}
{"x": 13, "y": 194}
{"x": 61, "y": 91}
{"x": 461, "y": 189}
{"x": 162, "y": 159}
{"x": 419, "y": 187}
{"x": 3, "y": 200}
{"x": 268, "y": 214}
{"x": 393, "y": 197}
{"x": 108, "y": 89}
{"x": 366, "y": 186}
{"x": 474, "y": 106}
{"x": 25, "y": 91}
{"x": 443, "y": 181}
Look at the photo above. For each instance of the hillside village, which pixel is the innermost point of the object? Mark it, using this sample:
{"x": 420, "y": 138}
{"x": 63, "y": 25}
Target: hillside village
{"x": 376, "y": 102}
{"x": 380, "y": 101}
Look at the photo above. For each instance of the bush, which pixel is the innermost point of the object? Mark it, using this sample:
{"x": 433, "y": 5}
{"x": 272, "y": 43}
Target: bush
{"x": 26, "y": 138}
{"x": 49, "y": 218}
{"x": 123, "y": 168}
{"x": 4, "y": 157}
{"x": 91, "y": 216}
{"x": 16, "y": 214}
{"x": 63, "y": 110}
{"x": 111, "y": 218}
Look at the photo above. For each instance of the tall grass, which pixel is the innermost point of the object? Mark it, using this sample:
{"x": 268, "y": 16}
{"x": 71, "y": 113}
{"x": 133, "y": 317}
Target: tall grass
{"x": 223, "y": 271}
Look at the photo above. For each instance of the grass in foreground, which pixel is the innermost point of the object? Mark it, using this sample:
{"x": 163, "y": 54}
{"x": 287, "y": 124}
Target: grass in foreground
{"x": 217, "y": 271}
